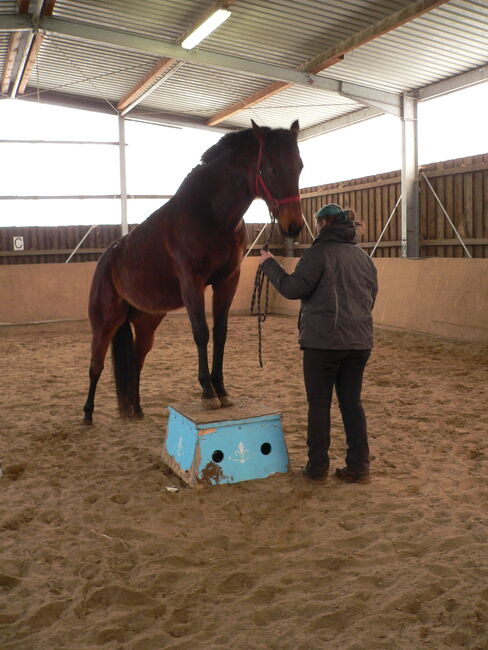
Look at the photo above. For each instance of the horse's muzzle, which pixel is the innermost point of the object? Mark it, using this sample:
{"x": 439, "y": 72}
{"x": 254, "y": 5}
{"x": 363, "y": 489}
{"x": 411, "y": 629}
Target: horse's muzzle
{"x": 290, "y": 219}
{"x": 294, "y": 228}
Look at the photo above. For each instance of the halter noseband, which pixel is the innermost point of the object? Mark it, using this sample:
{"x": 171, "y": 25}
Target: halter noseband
{"x": 262, "y": 190}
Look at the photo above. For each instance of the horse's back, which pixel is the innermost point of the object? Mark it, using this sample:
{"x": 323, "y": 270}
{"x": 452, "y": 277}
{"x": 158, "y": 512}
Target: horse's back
{"x": 147, "y": 266}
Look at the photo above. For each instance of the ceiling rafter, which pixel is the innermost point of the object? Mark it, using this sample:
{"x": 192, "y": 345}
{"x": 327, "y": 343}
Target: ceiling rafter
{"x": 27, "y": 52}
{"x": 13, "y": 48}
{"x": 146, "y": 83}
{"x": 29, "y": 64}
{"x": 334, "y": 54}
{"x": 165, "y": 67}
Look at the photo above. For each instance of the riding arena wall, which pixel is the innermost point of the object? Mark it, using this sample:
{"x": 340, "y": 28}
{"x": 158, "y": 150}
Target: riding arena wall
{"x": 443, "y": 293}
{"x": 437, "y": 296}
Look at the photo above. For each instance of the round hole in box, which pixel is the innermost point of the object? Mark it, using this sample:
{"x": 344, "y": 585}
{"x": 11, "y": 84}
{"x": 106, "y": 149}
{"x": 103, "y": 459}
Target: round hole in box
{"x": 217, "y": 456}
{"x": 265, "y": 448}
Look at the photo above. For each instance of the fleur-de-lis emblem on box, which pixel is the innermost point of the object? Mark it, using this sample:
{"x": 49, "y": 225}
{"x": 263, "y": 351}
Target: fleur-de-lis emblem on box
{"x": 241, "y": 452}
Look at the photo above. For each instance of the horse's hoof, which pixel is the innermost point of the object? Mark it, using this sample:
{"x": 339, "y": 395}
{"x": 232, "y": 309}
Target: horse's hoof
{"x": 89, "y": 423}
{"x": 225, "y": 401}
{"x": 210, "y": 403}
{"x": 131, "y": 413}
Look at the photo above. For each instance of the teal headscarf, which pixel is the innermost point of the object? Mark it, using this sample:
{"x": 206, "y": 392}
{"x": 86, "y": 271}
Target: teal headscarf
{"x": 332, "y": 213}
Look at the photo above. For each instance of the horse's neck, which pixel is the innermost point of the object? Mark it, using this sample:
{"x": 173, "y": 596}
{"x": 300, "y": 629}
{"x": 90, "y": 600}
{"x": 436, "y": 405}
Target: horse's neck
{"x": 223, "y": 192}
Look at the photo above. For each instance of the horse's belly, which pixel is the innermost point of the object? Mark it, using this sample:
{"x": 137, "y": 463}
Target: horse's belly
{"x": 150, "y": 292}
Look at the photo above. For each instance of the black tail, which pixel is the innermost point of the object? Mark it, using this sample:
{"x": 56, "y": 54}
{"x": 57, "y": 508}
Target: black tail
{"x": 125, "y": 370}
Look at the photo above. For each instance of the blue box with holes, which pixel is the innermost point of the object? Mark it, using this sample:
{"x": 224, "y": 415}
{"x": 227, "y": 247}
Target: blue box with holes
{"x": 228, "y": 445}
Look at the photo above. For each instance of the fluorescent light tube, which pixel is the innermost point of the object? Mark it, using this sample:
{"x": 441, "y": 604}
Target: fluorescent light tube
{"x": 206, "y": 28}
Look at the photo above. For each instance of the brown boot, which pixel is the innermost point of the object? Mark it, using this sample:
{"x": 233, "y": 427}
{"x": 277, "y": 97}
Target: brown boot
{"x": 315, "y": 477}
{"x": 352, "y": 476}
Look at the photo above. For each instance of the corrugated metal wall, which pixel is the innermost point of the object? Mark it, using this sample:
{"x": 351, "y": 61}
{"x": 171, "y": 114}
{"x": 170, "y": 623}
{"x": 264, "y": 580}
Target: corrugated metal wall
{"x": 46, "y": 244}
{"x": 55, "y": 244}
{"x": 461, "y": 184}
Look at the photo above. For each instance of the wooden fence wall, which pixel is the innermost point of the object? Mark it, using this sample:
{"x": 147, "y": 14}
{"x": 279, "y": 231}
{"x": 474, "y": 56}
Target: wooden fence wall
{"x": 461, "y": 184}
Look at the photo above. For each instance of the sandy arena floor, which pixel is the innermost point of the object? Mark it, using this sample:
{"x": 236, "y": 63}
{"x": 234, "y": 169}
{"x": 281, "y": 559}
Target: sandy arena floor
{"x": 94, "y": 552}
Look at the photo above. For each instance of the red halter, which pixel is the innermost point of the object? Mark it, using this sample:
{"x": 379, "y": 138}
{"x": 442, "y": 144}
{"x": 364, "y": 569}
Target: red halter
{"x": 265, "y": 193}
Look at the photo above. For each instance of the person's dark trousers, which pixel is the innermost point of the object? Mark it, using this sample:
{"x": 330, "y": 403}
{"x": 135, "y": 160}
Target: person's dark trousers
{"x": 344, "y": 369}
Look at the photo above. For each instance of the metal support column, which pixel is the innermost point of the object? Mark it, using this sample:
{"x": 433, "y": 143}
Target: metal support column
{"x": 289, "y": 247}
{"x": 123, "y": 177}
{"x": 410, "y": 180}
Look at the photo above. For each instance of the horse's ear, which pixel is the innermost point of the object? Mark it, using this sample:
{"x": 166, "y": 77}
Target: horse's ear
{"x": 295, "y": 127}
{"x": 258, "y": 131}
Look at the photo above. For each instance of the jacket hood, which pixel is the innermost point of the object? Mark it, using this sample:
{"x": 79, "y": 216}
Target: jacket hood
{"x": 338, "y": 232}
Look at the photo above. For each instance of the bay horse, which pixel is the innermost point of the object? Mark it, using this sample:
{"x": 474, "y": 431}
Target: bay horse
{"x": 196, "y": 239}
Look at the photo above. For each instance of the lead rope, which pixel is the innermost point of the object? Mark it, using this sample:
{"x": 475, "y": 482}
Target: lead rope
{"x": 261, "y": 314}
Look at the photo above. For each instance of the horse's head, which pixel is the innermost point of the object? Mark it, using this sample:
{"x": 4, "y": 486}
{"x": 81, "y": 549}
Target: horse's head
{"x": 277, "y": 172}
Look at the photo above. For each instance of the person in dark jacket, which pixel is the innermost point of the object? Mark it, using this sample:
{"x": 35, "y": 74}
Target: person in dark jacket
{"x": 337, "y": 284}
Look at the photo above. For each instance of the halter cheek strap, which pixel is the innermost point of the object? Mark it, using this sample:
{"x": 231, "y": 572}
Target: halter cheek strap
{"x": 262, "y": 190}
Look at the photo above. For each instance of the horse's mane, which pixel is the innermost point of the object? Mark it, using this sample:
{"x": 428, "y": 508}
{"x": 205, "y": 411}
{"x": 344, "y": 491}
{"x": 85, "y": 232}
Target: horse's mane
{"x": 230, "y": 141}
{"x": 233, "y": 141}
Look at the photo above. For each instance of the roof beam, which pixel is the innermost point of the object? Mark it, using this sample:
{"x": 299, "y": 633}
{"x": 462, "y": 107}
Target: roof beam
{"x": 15, "y": 23}
{"x": 355, "y": 117}
{"x": 31, "y": 59}
{"x": 336, "y": 53}
{"x": 8, "y": 67}
{"x": 164, "y": 68}
{"x": 159, "y": 48}
{"x": 137, "y": 91}
{"x": 13, "y": 48}
{"x": 151, "y": 116}
{"x": 31, "y": 46}
{"x": 463, "y": 80}
{"x": 385, "y": 101}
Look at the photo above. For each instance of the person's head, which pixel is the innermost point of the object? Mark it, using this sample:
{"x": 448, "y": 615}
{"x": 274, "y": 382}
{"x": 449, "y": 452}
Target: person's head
{"x": 333, "y": 213}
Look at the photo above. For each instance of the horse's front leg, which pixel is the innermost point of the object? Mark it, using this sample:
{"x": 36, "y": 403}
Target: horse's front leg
{"x": 223, "y": 295}
{"x": 193, "y": 297}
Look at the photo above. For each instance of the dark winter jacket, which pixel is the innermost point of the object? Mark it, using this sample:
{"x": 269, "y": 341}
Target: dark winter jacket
{"x": 337, "y": 284}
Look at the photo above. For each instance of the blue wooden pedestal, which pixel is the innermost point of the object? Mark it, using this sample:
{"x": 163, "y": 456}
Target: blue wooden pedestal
{"x": 229, "y": 445}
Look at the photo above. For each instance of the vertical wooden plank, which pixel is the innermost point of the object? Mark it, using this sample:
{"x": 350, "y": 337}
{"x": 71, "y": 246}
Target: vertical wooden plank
{"x": 32, "y": 241}
{"x": 371, "y": 214}
{"x": 458, "y": 217}
{"x": 485, "y": 211}
{"x": 424, "y": 190}
{"x": 478, "y": 204}
{"x": 359, "y": 212}
{"x": 352, "y": 200}
{"x": 431, "y": 210}
{"x": 391, "y": 231}
{"x": 363, "y": 210}
{"x": 385, "y": 213}
{"x": 440, "y": 219}
{"x": 468, "y": 205}
{"x": 449, "y": 205}
{"x": 378, "y": 216}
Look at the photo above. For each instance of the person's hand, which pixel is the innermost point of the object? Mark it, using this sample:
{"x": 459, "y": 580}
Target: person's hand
{"x": 265, "y": 255}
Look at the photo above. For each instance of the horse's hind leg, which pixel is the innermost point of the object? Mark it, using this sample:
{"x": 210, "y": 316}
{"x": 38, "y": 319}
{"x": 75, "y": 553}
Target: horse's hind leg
{"x": 223, "y": 293}
{"x": 100, "y": 341}
{"x": 107, "y": 313}
{"x": 144, "y": 327}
